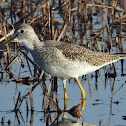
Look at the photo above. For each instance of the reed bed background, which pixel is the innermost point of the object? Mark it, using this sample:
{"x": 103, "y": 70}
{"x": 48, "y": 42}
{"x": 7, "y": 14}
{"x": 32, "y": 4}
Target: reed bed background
{"x": 95, "y": 24}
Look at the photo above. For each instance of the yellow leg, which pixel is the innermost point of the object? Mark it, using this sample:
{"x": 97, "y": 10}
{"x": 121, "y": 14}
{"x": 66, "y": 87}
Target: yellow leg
{"x": 65, "y": 94}
{"x": 82, "y": 90}
{"x": 83, "y": 94}
{"x": 64, "y": 86}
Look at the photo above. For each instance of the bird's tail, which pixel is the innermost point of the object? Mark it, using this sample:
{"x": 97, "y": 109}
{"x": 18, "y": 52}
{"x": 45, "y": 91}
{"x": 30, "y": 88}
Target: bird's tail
{"x": 121, "y": 55}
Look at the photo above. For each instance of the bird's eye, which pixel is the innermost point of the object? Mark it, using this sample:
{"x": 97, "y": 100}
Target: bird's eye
{"x": 21, "y": 31}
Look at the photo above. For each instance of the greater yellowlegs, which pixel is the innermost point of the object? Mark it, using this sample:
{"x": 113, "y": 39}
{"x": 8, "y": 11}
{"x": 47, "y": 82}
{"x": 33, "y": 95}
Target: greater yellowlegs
{"x": 61, "y": 59}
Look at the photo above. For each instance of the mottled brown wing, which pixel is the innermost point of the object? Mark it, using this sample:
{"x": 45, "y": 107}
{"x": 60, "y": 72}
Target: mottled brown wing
{"x": 75, "y": 52}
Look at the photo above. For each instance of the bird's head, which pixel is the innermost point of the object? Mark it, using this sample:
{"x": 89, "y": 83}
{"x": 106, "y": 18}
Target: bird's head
{"x": 24, "y": 34}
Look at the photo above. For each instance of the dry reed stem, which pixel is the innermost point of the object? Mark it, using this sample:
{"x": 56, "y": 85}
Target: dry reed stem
{"x": 124, "y": 1}
{"x": 29, "y": 67}
{"x": 29, "y": 14}
{"x": 35, "y": 18}
{"x": 56, "y": 119}
{"x": 64, "y": 28}
{"x": 32, "y": 91}
{"x": 30, "y": 60}
{"x": 102, "y": 30}
{"x": 3, "y": 1}
{"x": 53, "y": 20}
{"x": 3, "y": 118}
{"x": 7, "y": 35}
{"x": 45, "y": 90}
{"x": 20, "y": 70}
{"x": 5, "y": 30}
{"x": 100, "y": 123}
{"x": 110, "y": 7}
{"x": 31, "y": 100}
{"x": 27, "y": 105}
{"x": 17, "y": 103}
{"x": 55, "y": 34}
{"x": 24, "y": 81}
{"x": 24, "y": 10}
{"x": 90, "y": 88}
{"x": 53, "y": 103}
{"x": 10, "y": 73}
{"x": 41, "y": 75}
{"x": 13, "y": 61}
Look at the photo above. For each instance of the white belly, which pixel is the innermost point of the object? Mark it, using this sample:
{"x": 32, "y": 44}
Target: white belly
{"x": 62, "y": 67}
{"x": 68, "y": 71}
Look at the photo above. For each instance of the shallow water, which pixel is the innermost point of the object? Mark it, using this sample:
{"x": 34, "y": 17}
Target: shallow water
{"x": 102, "y": 104}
